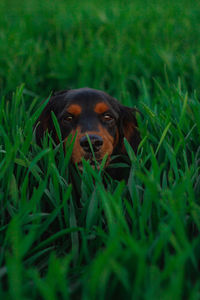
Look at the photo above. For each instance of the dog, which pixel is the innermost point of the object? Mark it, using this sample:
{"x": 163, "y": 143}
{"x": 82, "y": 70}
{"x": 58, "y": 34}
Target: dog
{"x": 95, "y": 119}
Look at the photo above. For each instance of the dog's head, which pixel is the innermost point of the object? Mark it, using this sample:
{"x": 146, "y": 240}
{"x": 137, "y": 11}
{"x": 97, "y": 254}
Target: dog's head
{"x": 89, "y": 113}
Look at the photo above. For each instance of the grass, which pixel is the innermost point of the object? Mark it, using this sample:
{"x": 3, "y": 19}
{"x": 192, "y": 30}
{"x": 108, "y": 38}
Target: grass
{"x": 132, "y": 240}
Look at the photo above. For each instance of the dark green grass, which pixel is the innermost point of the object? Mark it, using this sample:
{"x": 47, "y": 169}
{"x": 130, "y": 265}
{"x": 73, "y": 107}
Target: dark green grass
{"x": 132, "y": 240}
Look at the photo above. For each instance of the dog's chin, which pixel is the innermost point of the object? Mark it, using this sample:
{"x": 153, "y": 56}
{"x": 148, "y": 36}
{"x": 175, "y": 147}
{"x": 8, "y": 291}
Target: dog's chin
{"x": 94, "y": 164}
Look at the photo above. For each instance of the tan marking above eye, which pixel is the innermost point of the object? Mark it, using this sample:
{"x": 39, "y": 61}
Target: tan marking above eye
{"x": 101, "y": 108}
{"x": 74, "y": 109}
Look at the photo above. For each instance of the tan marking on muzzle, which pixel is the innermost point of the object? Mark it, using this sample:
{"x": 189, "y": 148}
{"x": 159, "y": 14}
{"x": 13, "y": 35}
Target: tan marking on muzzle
{"x": 107, "y": 148}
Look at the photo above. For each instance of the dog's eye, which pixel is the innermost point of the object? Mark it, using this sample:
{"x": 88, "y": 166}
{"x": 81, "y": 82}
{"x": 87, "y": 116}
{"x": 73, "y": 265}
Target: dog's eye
{"x": 67, "y": 119}
{"x": 108, "y": 117}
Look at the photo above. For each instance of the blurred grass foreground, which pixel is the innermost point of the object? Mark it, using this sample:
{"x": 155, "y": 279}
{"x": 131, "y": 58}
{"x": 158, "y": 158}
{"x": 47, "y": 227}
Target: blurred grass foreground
{"x": 137, "y": 239}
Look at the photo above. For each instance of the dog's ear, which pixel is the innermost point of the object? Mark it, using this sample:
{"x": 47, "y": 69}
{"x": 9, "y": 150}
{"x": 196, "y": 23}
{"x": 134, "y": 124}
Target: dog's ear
{"x": 44, "y": 122}
{"x": 129, "y": 128}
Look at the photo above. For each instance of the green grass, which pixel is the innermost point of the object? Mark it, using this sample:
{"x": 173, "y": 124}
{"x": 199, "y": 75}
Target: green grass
{"x": 132, "y": 240}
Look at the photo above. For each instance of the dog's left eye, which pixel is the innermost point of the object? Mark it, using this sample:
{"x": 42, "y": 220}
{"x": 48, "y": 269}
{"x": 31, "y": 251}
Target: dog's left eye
{"x": 108, "y": 117}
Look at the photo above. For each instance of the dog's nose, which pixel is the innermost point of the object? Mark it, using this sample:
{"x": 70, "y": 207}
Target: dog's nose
{"x": 96, "y": 142}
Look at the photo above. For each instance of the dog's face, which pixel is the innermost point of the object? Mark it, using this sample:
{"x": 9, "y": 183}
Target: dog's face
{"x": 89, "y": 114}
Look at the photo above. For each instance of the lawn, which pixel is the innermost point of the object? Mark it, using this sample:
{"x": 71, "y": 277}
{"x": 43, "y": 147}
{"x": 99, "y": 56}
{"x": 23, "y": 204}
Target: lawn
{"x": 134, "y": 239}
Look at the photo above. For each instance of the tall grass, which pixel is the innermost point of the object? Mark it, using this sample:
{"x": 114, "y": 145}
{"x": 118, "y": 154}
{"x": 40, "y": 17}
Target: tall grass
{"x": 134, "y": 239}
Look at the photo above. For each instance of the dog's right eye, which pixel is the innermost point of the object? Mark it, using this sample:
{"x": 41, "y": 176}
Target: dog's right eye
{"x": 67, "y": 119}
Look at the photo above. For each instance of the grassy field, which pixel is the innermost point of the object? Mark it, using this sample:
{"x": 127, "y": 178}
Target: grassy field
{"x": 133, "y": 240}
